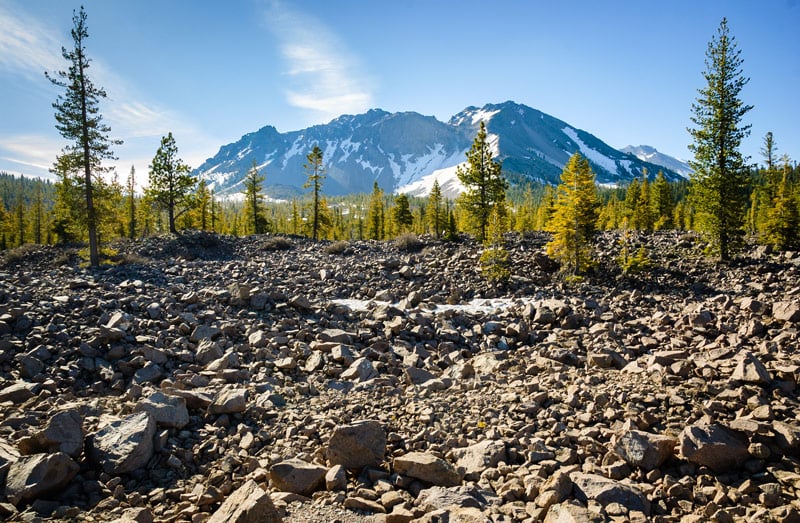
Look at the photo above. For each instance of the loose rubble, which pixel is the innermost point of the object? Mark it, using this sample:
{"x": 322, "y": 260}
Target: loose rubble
{"x": 210, "y": 378}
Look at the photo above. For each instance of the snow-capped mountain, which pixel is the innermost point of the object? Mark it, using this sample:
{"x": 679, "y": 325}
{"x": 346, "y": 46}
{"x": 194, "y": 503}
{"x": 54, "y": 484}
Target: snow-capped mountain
{"x": 407, "y": 151}
{"x": 650, "y": 154}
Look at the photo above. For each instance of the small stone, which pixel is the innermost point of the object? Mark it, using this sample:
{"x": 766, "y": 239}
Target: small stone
{"x": 644, "y": 450}
{"x": 336, "y": 478}
{"x": 229, "y": 401}
{"x": 168, "y": 411}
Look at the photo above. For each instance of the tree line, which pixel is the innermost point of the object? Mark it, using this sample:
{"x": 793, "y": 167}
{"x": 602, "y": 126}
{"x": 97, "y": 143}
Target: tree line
{"x": 725, "y": 198}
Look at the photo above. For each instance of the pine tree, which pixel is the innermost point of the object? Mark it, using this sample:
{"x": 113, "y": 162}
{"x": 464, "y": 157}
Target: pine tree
{"x": 663, "y": 202}
{"x": 78, "y": 119}
{"x": 495, "y": 262}
{"x": 316, "y": 174}
{"x": 375, "y": 214}
{"x": 643, "y": 211}
{"x": 436, "y": 211}
{"x": 130, "y": 202}
{"x": 720, "y": 178}
{"x": 546, "y": 208}
{"x": 484, "y": 182}
{"x": 202, "y": 204}
{"x": 401, "y": 214}
{"x": 574, "y": 220}
{"x": 254, "y": 201}
{"x": 783, "y": 218}
{"x": 67, "y": 222}
{"x": 170, "y": 181}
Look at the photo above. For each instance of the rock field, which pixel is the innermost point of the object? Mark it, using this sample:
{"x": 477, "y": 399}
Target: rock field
{"x": 263, "y": 379}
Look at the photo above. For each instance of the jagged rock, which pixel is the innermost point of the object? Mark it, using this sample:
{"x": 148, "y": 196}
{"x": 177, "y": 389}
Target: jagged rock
{"x": 479, "y": 457}
{"x": 298, "y": 476}
{"x": 19, "y": 392}
{"x": 571, "y": 512}
{"x": 229, "y": 401}
{"x": 362, "y": 369}
{"x": 32, "y": 477}
{"x": 136, "y": 515}
{"x": 168, "y": 411}
{"x": 428, "y": 468}
{"x": 208, "y": 350}
{"x": 438, "y": 497}
{"x": 8, "y": 456}
{"x": 606, "y": 491}
{"x": 713, "y": 446}
{"x": 124, "y": 445}
{"x": 335, "y": 336}
{"x": 787, "y": 311}
{"x": 248, "y": 504}
{"x": 63, "y": 433}
{"x": 751, "y": 370}
{"x": 357, "y": 445}
{"x": 644, "y": 450}
{"x": 336, "y": 478}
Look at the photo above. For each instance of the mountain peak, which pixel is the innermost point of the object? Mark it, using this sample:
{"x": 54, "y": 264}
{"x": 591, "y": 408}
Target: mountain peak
{"x": 398, "y": 149}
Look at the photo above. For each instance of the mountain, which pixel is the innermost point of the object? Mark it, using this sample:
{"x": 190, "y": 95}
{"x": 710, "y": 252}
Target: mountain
{"x": 405, "y": 151}
{"x": 650, "y": 154}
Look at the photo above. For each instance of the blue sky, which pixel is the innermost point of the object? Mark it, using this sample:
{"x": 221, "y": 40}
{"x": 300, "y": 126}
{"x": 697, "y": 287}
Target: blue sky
{"x": 211, "y": 71}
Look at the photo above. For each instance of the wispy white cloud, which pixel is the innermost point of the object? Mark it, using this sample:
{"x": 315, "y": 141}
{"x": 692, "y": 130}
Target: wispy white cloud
{"x": 28, "y": 48}
{"x": 324, "y": 75}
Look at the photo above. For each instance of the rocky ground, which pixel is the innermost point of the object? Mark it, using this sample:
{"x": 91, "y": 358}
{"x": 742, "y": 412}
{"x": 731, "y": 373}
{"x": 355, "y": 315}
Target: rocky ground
{"x": 207, "y": 378}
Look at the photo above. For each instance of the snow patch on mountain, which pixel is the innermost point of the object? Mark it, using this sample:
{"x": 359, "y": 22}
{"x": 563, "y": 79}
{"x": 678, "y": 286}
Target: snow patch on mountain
{"x": 650, "y": 154}
{"x": 593, "y": 156}
{"x": 448, "y": 180}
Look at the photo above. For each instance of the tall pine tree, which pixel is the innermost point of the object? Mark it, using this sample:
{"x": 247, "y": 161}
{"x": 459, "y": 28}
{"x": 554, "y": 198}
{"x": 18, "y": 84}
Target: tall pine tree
{"x": 436, "y": 213}
{"x": 484, "y": 182}
{"x": 170, "y": 181}
{"x": 79, "y": 120}
{"x": 574, "y": 219}
{"x": 254, "y": 201}
{"x": 720, "y": 180}
{"x": 316, "y": 173}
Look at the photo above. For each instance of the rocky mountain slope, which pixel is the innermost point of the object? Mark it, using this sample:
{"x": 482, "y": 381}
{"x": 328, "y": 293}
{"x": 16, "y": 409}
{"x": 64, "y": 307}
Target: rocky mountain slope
{"x": 208, "y": 378}
{"x": 400, "y": 151}
{"x": 651, "y": 154}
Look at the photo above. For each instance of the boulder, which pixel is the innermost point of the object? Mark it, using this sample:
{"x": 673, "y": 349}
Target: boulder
{"x": 571, "y": 512}
{"x": 786, "y": 311}
{"x": 479, "y": 457}
{"x": 297, "y": 476}
{"x": 606, "y": 491}
{"x": 8, "y": 456}
{"x": 713, "y": 446}
{"x": 361, "y": 369}
{"x": 123, "y": 446}
{"x": 247, "y": 504}
{"x": 229, "y": 401}
{"x": 428, "y": 468}
{"x": 34, "y": 476}
{"x": 751, "y": 370}
{"x": 336, "y": 478}
{"x": 644, "y": 450}
{"x": 357, "y": 445}
{"x": 168, "y": 411}
{"x": 63, "y": 433}
{"x": 19, "y": 392}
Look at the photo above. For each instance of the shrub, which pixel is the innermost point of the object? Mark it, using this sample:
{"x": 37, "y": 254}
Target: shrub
{"x": 278, "y": 243}
{"x": 495, "y": 265}
{"x": 408, "y": 242}
{"x": 339, "y": 247}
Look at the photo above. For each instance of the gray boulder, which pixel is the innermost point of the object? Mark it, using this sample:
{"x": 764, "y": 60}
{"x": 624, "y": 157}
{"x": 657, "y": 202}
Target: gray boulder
{"x": 428, "y": 468}
{"x": 229, "y": 401}
{"x": 357, "y": 445}
{"x": 247, "y": 504}
{"x": 606, "y": 491}
{"x": 168, "y": 411}
{"x": 479, "y": 457}
{"x": 298, "y": 476}
{"x": 123, "y": 446}
{"x": 34, "y": 476}
{"x": 713, "y": 446}
{"x": 63, "y": 433}
{"x": 644, "y": 450}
